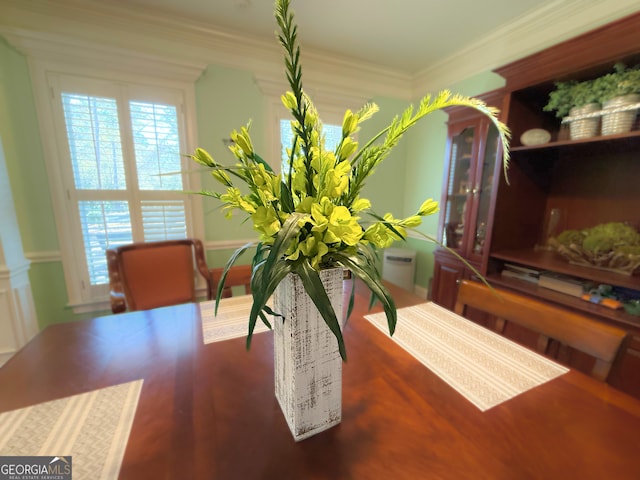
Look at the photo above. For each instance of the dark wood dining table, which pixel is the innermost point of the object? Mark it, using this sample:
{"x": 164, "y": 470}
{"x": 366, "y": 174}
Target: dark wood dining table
{"x": 209, "y": 411}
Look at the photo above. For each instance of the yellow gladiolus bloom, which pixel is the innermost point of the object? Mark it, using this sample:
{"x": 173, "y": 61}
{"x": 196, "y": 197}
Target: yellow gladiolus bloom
{"x": 428, "y": 207}
{"x": 397, "y": 225}
{"x": 343, "y": 227}
{"x": 243, "y": 140}
{"x": 204, "y": 158}
{"x": 289, "y": 101}
{"x": 234, "y": 199}
{"x": 314, "y": 249}
{"x": 305, "y": 205}
{"x": 379, "y": 235}
{"x": 266, "y": 222}
{"x": 319, "y": 214}
{"x": 349, "y": 123}
{"x": 360, "y": 204}
{"x": 412, "y": 221}
{"x": 222, "y": 177}
{"x": 348, "y": 148}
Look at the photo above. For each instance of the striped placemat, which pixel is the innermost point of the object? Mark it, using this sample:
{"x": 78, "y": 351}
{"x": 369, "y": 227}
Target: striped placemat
{"x": 92, "y": 427}
{"x": 483, "y": 366}
{"x": 232, "y": 320}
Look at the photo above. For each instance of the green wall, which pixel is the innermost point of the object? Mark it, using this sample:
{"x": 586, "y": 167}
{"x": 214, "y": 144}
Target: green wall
{"x": 384, "y": 188}
{"x": 226, "y": 99}
{"x": 21, "y": 139}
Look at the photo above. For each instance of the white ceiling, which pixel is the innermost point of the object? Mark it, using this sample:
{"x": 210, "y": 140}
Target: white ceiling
{"x": 405, "y": 35}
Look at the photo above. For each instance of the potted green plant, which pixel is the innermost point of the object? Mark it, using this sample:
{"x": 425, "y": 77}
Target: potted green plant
{"x": 618, "y": 91}
{"x": 577, "y": 104}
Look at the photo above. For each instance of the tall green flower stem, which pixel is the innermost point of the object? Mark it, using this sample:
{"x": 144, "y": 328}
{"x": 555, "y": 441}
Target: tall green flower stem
{"x": 310, "y": 216}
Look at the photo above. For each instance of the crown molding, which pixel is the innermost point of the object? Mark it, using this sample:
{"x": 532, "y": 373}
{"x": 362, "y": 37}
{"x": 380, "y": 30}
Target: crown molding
{"x": 93, "y": 31}
{"x": 334, "y": 73}
{"x": 556, "y": 21}
{"x": 340, "y": 98}
{"x": 58, "y": 49}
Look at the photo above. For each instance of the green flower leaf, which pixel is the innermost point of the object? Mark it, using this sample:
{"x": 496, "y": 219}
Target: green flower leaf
{"x": 258, "y": 159}
{"x": 263, "y": 317}
{"x": 266, "y": 285}
{"x": 269, "y": 273}
{"x": 352, "y": 296}
{"x": 367, "y": 273}
{"x": 286, "y": 200}
{"x": 230, "y": 263}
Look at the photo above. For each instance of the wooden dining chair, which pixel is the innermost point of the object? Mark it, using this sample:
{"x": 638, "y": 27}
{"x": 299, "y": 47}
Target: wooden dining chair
{"x": 599, "y": 340}
{"x": 238, "y": 276}
{"x": 147, "y": 275}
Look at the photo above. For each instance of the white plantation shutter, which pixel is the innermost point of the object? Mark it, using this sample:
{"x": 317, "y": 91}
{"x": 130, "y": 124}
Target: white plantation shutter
{"x": 93, "y": 132}
{"x": 157, "y": 155}
{"x": 124, "y": 151}
{"x": 104, "y": 224}
{"x": 163, "y": 220}
{"x": 157, "y": 146}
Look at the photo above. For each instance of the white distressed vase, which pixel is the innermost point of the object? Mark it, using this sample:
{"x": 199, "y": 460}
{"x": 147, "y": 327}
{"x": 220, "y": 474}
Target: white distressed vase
{"x": 307, "y": 363}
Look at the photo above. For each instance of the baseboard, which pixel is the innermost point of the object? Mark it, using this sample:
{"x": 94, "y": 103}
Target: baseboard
{"x": 421, "y": 291}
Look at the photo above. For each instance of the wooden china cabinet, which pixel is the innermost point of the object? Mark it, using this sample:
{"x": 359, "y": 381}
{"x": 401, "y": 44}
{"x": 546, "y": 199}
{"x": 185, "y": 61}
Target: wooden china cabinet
{"x": 471, "y": 170}
{"x": 581, "y": 182}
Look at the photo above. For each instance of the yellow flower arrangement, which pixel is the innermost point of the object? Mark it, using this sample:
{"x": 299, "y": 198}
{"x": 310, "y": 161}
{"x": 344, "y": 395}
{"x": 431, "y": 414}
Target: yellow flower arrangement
{"x": 312, "y": 216}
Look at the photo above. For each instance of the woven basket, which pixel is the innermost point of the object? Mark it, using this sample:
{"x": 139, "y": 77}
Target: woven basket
{"x": 584, "y": 127}
{"x": 614, "y": 121}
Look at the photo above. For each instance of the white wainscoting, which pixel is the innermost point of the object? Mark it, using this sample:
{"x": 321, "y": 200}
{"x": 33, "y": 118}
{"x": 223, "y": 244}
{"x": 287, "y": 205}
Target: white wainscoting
{"x": 17, "y": 311}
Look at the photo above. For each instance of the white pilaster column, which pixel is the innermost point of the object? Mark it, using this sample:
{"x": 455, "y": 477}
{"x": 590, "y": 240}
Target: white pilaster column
{"x": 18, "y": 321}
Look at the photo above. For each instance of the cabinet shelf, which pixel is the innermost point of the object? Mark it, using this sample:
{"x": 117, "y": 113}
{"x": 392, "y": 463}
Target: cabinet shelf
{"x": 548, "y": 260}
{"x": 632, "y": 139}
{"x": 619, "y": 316}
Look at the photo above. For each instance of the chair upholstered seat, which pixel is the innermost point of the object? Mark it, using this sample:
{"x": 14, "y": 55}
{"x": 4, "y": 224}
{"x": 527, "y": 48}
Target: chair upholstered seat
{"x": 155, "y": 274}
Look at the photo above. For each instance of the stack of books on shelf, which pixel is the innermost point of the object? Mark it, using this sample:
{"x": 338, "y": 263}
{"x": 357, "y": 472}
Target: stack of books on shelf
{"x": 521, "y": 273}
{"x": 564, "y": 284}
{"x": 545, "y": 279}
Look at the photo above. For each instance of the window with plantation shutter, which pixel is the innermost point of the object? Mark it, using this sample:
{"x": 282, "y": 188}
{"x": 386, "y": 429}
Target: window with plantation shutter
{"x": 121, "y": 151}
{"x": 332, "y": 137}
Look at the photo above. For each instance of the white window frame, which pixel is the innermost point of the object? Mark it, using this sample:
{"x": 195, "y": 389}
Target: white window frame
{"x": 81, "y": 297}
{"x": 331, "y": 106}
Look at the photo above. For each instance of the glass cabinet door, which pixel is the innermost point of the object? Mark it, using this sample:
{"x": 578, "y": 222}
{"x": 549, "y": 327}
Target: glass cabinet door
{"x": 483, "y": 190}
{"x": 459, "y": 188}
